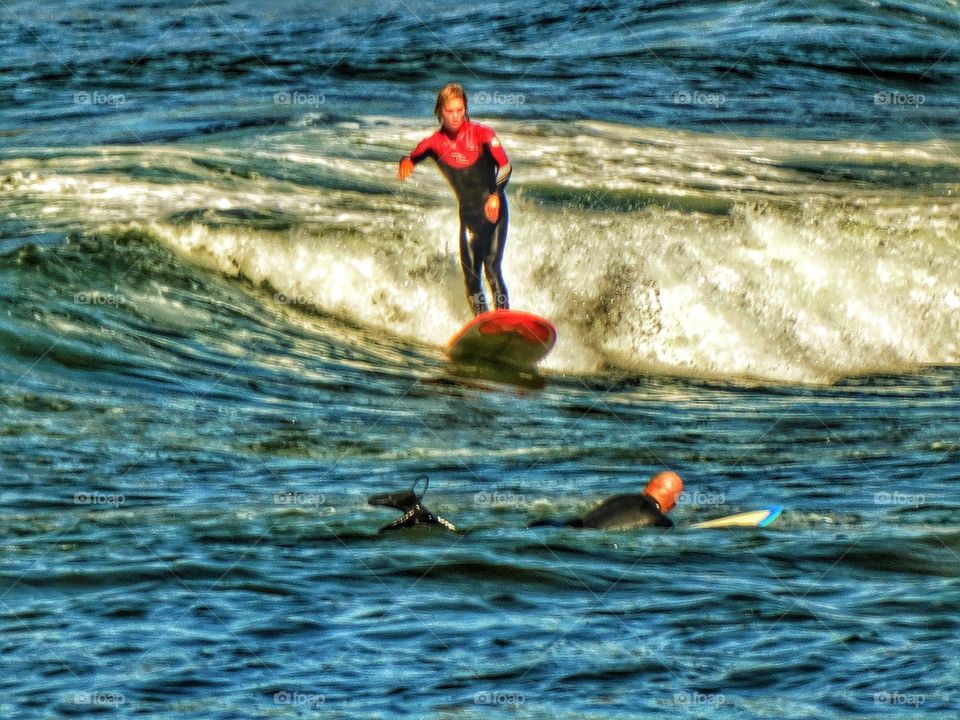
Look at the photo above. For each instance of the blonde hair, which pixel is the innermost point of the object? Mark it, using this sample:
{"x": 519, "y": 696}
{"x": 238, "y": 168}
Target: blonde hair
{"x": 450, "y": 91}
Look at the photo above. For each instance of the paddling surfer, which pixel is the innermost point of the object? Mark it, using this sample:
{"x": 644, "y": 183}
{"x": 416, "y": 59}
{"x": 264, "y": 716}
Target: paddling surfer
{"x": 471, "y": 158}
{"x": 617, "y": 512}
{"x": 630, "y": 510}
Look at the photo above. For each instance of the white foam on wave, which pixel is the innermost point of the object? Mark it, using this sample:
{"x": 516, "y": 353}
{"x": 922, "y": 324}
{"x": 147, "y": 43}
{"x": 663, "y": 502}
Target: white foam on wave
{"x": 408, "y": 293}
{"x": 763, "y": 295}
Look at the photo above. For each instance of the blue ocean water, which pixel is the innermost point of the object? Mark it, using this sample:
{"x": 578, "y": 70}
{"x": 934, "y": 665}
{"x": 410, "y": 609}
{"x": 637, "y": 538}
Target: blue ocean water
{"x": 223, "y": 323}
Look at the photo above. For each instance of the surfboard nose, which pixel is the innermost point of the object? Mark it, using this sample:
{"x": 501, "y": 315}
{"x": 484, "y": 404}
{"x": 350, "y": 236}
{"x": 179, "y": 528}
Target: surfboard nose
{"x": 506, "y": 337}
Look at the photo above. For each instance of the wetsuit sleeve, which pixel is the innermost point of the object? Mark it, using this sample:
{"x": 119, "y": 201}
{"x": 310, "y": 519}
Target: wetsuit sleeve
{"x": 422, "y": 151}
{"x": 500, "y": 157}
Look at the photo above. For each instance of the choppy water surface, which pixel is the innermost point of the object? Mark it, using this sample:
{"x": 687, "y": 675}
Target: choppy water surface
{"x": 222, "y": 322}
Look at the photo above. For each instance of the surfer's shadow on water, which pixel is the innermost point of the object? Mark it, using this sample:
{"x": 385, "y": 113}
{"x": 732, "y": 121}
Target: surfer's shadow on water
{"x": 479, "y": 376}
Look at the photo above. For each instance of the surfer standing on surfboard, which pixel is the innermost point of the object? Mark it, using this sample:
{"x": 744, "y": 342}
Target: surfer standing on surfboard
{"x": 470, "y": 157}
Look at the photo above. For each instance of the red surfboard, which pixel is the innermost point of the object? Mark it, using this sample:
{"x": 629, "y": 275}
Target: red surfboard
{"x": 506, "y": 337}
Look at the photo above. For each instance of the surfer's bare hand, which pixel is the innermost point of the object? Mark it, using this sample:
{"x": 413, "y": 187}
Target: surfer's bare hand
{"x": 406, "y": 168}
{"x": 492, "y": 208}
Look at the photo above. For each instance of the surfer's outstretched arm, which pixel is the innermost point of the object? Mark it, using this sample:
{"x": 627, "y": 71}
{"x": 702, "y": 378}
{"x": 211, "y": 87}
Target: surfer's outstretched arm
{"x": 419, "y": 154}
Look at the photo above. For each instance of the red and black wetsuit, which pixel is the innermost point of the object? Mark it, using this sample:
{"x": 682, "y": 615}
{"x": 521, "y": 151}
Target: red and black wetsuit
{"x": 476, "y": 166}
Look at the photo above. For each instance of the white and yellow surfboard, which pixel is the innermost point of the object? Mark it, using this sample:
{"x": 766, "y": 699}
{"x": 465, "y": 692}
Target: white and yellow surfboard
{"x": 753, "y": 518}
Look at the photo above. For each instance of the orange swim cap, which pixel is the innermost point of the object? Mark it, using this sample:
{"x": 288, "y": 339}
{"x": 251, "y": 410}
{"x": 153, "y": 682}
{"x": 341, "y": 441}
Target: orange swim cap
{"x": 665, "y": 487}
